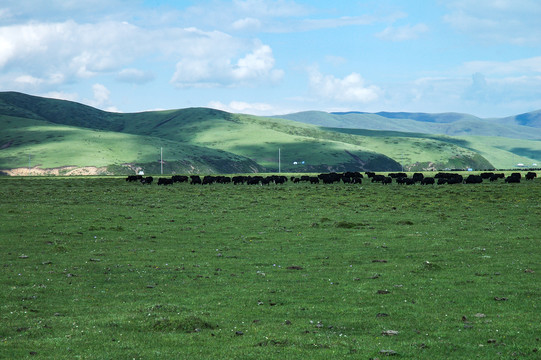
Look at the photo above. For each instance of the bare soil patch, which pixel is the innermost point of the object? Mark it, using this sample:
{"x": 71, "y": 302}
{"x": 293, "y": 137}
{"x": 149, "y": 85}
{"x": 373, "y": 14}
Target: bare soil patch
{"x": 63, "y": 170}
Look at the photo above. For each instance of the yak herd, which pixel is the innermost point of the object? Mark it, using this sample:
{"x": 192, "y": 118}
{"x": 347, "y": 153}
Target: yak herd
{"x": 331, "y": 178}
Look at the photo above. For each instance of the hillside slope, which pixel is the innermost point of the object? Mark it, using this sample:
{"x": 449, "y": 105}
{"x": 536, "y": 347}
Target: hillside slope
{"x": 451, "y": 124}
{"x": 204, "y": 140}
{"x": 55, "y": 133}
{"x": 28, "y": 142}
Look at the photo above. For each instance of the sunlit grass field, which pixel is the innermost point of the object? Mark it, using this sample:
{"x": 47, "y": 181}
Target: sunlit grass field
{"x": 98, "y": 268}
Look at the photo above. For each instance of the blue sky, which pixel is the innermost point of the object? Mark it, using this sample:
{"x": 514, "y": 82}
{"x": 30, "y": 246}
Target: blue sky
{"x": 269, "y": 57}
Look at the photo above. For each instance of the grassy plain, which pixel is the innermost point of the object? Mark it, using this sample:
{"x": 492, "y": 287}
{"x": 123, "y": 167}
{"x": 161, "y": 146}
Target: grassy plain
{"x": 98, "y": 268}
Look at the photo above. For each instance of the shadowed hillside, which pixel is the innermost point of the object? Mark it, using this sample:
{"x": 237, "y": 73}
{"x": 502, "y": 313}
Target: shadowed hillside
{"x": 49, "y": 133}
{"x": 54, "y": 133}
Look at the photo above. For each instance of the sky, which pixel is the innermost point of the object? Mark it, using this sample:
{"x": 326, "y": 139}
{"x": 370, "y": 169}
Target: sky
{"x": 271, "y": 57}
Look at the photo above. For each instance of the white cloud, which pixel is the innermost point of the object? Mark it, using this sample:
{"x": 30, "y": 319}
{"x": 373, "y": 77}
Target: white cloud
{"x": 316, "y": 24}
{"x": 245, "y": 15}
{"x": 134, "y": 76}
{"x": 101, "y": 98}
{"x": 247, "y": 24}
{"x": 513, "y": 67}
{"x": 61, "y": 95}
{"x": 271, "y": 16}
{"x": 478, "y": 90}
{"x": 101, "y": 95}
{"x": 69, "y": 48}
{"x": 256, "y": 65}
{"x": 243, "y": 107}
{"x": 477, "y": 94}
{"x": 58, "y": 10}
{"x": 350, "y": 89}
{"x": 274, "y": 8}
{"x": 28, "y": 81}
{"x": 505, "y": 89}
{"x": 402, "y": 33}
{"x": 214, "y": 68}
{"x": 5, "y": 14}
{"x": 70, "y": 52}
{"x": 500, "y": 21}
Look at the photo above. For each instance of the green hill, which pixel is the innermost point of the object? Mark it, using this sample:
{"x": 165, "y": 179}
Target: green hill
{"x": 532, "y": 119}
{"x": 46, "y": 133}
{"x": 48, "y": 145}
{"x": 423, "y": 117}
{"x": 451, "y": 124}
{"x": 196, "y": 140}
{"x": 423, "y": 151}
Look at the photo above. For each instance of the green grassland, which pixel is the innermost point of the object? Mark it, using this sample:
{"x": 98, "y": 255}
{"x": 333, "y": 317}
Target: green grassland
{"x": 52, "y": 145}
{"x": 52, "y": 133}
{"x": 504, "y": 152}
{"x": 101, "y": 268}
{"x": 417, "y": 150}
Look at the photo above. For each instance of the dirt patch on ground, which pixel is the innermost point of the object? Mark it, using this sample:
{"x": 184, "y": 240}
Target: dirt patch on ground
{"x": 59, "y": 171}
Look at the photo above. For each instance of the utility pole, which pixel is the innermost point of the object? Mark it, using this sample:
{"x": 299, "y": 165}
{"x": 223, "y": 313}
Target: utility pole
{"x": 279, "y": 162}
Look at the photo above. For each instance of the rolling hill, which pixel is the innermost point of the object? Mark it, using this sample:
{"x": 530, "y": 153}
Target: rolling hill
{"x": 525, "y": 126}
{"x": 41, "y": 133}
{"x": 48, "y": 133}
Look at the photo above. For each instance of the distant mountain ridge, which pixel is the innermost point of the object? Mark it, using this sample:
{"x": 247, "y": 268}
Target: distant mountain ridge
{"x": 424, "y": 117}
{"x": 531, "y": 119}
{"x": 523, "y": 126}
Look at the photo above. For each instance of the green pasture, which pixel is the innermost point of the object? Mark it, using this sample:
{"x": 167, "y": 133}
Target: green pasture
{"x": 98, "y": 268}
{"x": 48, "y": 145}
{"x": 49, "y": 133}
{"x": 505, "y": 153}
{"x": 416, "y": 150}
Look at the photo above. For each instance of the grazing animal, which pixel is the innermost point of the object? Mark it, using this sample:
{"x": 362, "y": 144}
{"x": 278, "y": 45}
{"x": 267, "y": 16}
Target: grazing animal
{"x": 179, "y": 178}
{"x": 254, "y": 180}
{"x": 278, "y": 179}
{"x": 239, "y": 180}
{"x": 513, "y": 178}
{"x": 147, "y": 180}
{"x": 530, "y": 175}
{"x": 428, "y": 181}
{"x": 353, "y": 174}
{"x": 405, "y": 180}
{"x": 473, "y": 179}
{"x": 487, "y": 175}
{"x": 418, "y": 177}
{"x": 378, "y": 178}
{"x": 223, "y": 179}
{"x": 330, "y": 178}
{"x": 195, "y": 179}
{"x": 495, "y": 177}
{"x": 448, "y": 178}
{"x": 165, "y": 181}
{"x": 131, "y": 178}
